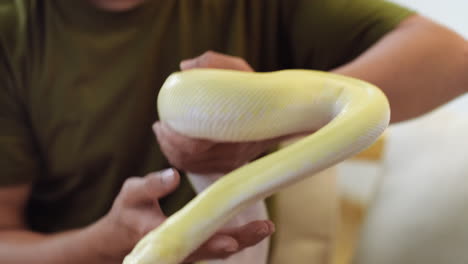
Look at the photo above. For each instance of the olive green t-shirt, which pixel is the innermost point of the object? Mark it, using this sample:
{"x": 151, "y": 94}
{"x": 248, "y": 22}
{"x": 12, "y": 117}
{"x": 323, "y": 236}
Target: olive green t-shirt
{"x": 78, "y": 85}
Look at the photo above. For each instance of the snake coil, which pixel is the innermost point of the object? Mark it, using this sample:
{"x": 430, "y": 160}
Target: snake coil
{"x": 347, "y": 114}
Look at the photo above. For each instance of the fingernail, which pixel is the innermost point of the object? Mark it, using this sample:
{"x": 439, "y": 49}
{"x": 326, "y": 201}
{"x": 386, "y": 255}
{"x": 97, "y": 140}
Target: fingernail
{"x": 188, "y": 64}
{"x": 155, "y": 126}
{"x": 228, "y": 244}
{"x": 262, "y": 231}
{"x": 167, "y": 176}
{"x": 272, "y": 227}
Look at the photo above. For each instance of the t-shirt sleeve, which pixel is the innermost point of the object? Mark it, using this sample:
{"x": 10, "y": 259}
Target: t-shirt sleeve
{"x": 324, "y": 34}
{"x": 18, "y": 156}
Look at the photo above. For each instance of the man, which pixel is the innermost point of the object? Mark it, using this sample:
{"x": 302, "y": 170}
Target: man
{"x": 77, "y": 100}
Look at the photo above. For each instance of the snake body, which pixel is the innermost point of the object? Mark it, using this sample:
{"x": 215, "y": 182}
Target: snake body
{"x": 347, "y": 114}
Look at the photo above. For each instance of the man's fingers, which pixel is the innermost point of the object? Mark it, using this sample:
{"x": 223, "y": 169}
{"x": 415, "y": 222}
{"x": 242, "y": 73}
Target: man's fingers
{"x": 217, "y": 247}
{"x": 181, "y": 152}
{"x": 160, "y": 184}
{"x": 174, "y": 139}
{"x": 251, "y": 233}
{"x": 203, "y": 156}
{"x": 230, "y": 241}
{"x": 150, "y": 188}
{"x": 215, "y": 60}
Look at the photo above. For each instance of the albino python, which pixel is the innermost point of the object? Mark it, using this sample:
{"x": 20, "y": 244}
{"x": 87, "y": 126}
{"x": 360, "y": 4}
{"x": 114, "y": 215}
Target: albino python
{"x": 347, "y": 114}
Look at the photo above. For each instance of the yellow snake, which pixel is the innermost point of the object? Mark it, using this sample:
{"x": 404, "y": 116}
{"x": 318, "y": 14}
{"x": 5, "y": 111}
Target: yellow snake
{"x": 347, "y": 114}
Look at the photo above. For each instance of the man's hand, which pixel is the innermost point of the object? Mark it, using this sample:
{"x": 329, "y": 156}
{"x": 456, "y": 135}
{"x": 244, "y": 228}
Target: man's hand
{"x": 136, "y": 211}
{"x": 204, "y": 156}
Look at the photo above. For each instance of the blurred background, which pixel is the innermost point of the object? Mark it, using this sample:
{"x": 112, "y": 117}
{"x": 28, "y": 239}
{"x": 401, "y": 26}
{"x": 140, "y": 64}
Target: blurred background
{"x": 405, "y": 200}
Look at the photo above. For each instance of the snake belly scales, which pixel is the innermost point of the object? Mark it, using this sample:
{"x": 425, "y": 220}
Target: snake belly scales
{"x": 347, "y": 115}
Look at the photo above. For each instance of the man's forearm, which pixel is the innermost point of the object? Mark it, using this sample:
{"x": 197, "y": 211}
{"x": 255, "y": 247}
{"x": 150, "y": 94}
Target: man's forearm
{"x": 420, "y": 66}
{"x": 78, "y": 246}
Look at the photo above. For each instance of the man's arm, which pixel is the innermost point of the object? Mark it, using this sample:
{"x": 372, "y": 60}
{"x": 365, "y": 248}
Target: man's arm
{"x": 18, "y": 245}
{"x": 420, "y": 65}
